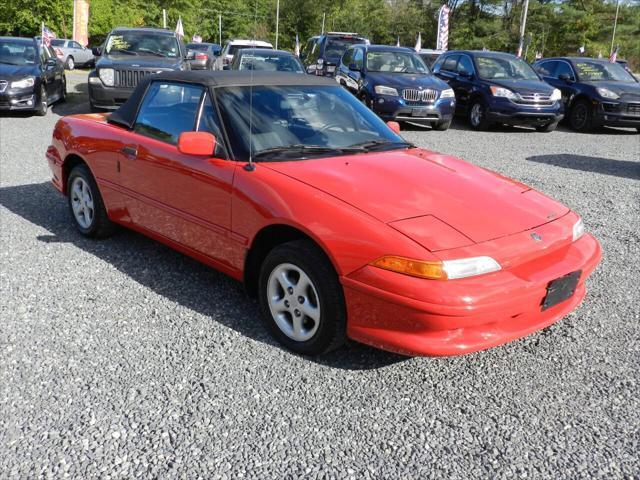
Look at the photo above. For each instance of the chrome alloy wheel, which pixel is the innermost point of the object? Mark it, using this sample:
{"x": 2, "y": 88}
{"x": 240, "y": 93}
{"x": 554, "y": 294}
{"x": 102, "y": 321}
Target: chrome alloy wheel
{"x": 82, "y": 202}
{"x": 476, "y": 114}
{"x": 293, "y": 302}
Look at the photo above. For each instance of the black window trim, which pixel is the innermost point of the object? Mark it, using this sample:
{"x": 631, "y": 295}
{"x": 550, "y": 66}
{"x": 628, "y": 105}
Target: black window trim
{"x": 471, "y": 59}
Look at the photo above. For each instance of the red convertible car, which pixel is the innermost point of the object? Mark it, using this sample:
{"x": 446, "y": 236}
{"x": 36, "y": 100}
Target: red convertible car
{"x": 340, "y": 227}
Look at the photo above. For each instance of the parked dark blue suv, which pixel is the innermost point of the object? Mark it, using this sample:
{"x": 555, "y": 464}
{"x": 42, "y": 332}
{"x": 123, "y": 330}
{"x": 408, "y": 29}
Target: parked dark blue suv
{"x": 397, "y": 85}
{"x": 595, "y": 92}
{"x": 493, "y": 87}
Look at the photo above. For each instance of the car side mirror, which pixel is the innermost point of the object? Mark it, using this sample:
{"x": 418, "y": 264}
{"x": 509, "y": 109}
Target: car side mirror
{"x": 191, "y": 55}
{"x": 353, "y": 67}
{"x": 395, "y": 126}
{"x": 465, "y": 74}
{"x": 97, "y": 51}
{"x": 51, "y": 62}
{"x": 565, "y": 77}
{"x": 197, "y": 143}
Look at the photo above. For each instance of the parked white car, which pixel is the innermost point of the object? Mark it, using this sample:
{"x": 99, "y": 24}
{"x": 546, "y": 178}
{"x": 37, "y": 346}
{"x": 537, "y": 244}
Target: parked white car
{"x": 223, "y": 62}
{"x": 73, "y": 54}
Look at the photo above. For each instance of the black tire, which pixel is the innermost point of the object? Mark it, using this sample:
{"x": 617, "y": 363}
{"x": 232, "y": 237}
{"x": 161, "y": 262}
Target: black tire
{"x": 331, "y": 328}
{"x": 549, "y": 127}
{"x": 69, "y": 64}
{"x": 100, "y": 225}
{"x": 93, "y": 108}
{"x": 581, "y": 117}
{"x": 364, "y": 98}
{"x": 63, "y": 90}
{"x": 481, "y": 123}
{"x": 442, "y": 126}
{"x": 43, "y": 106}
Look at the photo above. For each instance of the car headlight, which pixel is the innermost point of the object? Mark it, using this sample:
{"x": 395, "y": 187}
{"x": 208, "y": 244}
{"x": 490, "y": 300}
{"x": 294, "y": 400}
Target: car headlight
{"x": 383, "y": 90}
{"x": 448, "y": 93}
{"x": 503, "y": 92}
{"x": 24, "y": 83}
{"x": 578, "y": 229}
{"x": 606, "y": 93}
{"x": 445, "y": 270}
{"x": 107, "y": 76}
{"x": 556, "y": 95}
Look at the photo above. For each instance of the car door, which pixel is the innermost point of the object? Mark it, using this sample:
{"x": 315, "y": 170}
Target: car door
{"x": 447, "y": 69}
{"x": 184, "y": 198}
{"x": 80, "y": 54}
{"x": 566, "y": 84}
{"x": 51, "y": 75}
{"x": 464, "y": 82}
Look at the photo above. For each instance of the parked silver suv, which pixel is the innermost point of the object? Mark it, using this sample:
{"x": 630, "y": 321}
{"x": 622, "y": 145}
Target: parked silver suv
{"x": 73, "y": 54}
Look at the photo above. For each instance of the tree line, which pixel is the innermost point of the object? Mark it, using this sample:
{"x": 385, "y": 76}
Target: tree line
{"x": 554, "y": 27}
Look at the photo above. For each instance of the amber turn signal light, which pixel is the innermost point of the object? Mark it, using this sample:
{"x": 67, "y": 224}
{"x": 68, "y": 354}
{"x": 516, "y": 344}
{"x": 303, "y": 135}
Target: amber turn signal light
{"x": 408, "y": 266}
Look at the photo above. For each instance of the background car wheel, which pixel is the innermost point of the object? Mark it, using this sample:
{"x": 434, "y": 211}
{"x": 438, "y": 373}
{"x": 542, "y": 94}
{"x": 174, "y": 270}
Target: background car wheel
{"x": 43, "y": 105}
{"x": 69, "y": 64}
{"x": 581, "y": 116}
{"x": 86, "y": 205}
{"x": 549, "y": 127}
{"x": 63, "y": 90}
{"x": 442, "y": 126}
{"x": 364, "y": 98}
{"x": 301, "y": 299}
{"x": 478, "y": 116}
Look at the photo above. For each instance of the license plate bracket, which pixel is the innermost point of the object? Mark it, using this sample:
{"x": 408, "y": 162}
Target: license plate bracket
{"x": 561, "y": 289}
{"x": 419, "y": 112}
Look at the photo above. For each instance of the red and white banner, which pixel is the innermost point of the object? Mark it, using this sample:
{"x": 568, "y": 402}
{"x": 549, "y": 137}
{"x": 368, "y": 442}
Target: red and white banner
{"x": 442, "y": 42}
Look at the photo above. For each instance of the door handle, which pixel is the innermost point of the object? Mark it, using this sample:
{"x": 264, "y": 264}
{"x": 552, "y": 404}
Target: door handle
{"x": 129, "y": 151}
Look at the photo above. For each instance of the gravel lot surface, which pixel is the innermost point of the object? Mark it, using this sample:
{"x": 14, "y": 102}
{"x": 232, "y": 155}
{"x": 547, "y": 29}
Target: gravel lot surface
{"x": 123, "y": 358}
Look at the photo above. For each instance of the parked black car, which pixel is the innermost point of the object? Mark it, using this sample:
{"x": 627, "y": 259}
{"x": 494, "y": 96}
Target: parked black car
{"x": 31, "y": 77}
{"x": 595, "y": 92}
{"x": 493, "y": 87}
{"x": 397, "y": 85}
{"x": 322, "y": 53}
{"x": 262, "y": 59}
{"x": 129, "y": 54}
{"x": 205, "y": 55}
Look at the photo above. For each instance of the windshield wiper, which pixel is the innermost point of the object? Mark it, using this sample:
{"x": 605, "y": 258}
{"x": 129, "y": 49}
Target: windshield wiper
{"x": 152, "y": 52}
{"x": 299, "y": 148}
{"x": 118, "y": 50}
{"x": 375, "y": 144}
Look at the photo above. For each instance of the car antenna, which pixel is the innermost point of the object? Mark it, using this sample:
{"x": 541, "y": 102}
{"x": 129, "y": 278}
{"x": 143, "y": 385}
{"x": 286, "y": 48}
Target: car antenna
{"x": 250, "y": 167}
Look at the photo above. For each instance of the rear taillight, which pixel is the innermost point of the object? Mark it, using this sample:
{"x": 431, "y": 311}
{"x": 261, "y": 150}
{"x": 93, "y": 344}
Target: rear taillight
{"x": 201, "y": 56}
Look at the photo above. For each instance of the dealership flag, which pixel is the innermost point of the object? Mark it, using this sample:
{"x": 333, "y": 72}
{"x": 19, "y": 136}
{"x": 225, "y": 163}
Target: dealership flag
{"x": 47, "y": 35}
{"x": 614, "y": 55}
{"x": 297, "y": 49}
{"x": 419, "y": 42}
{"x": 582, "y": 49}
{"x": 196, "y": 39}
{"x": 398, "y": 42}
{"x": 179, "y": 29}
{"x": 442, "y": 43}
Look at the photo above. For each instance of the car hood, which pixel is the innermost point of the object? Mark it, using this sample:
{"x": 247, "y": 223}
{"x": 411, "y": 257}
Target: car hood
{"x": 138, "y": 61}
{"x": 403, "y": 184}
{"x": 16, "y": 72}
{"x": 626, "y": 90}
{"x": 406, "y": 80}
{"x": 524, "y": 86}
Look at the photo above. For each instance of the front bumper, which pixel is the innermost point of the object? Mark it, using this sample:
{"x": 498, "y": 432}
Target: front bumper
{"x": 502, "y": 110}
{"x": 414, "y": 316}
{"x": 397, "y": 109}
{"x": 19, "y": 99}
{"x": 108, "y": 98}
{"x": 618, "y": 114}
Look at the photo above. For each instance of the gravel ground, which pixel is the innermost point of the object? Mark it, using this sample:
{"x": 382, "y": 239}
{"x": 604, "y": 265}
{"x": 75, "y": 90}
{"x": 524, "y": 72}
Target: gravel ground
{"x": 122, "y": 358}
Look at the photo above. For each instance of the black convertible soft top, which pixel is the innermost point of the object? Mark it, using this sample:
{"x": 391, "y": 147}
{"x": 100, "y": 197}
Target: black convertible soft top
{"x": 126, "y": 114}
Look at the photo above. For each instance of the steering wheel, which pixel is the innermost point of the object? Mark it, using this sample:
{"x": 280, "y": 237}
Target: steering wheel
{"x": 330, "y": 126}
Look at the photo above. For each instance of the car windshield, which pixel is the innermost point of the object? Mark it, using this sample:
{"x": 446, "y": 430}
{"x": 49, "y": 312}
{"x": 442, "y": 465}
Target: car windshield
{"x": 297, "y": 122}
{"x": 599, "y": 71}
{"x": 234, "y": 48}
{"x": 139, "y": 43}
{"x": 269, "y": 62}
{"x": 336, "y": 46}
{"x": 504, "y": 68}
{"x": 395, "y": 62}
{"x": 13, "y": 52}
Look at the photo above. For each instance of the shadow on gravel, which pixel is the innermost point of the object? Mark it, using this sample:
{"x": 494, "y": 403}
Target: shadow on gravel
{"x": 77, "y": 101}
{"x": 606, "y": 166}
{"x": 170, "y": 274}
